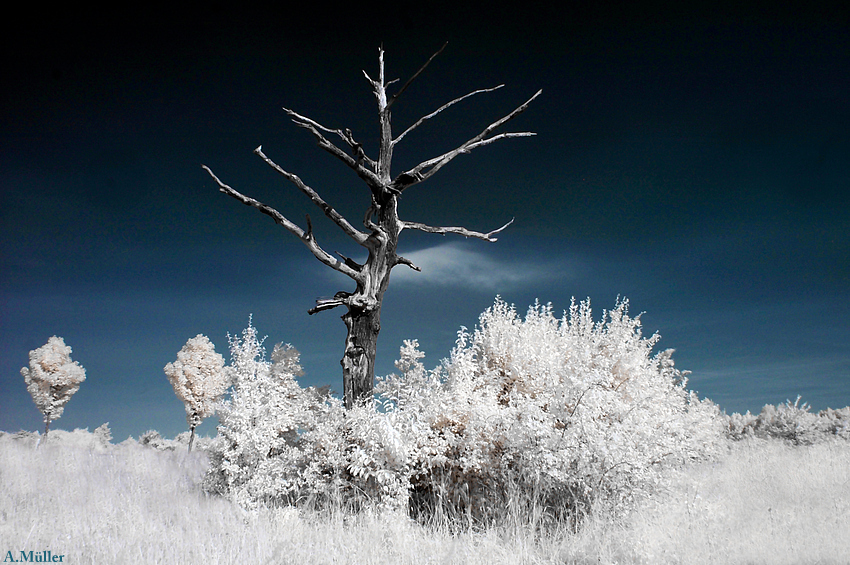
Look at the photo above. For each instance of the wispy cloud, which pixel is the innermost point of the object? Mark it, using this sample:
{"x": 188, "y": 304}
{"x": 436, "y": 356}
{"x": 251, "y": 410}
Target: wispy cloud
{"x": 455, "y": 265}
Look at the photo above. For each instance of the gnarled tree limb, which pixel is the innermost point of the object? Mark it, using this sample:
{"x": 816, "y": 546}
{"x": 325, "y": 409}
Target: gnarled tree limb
{"x": 329, "y": 211}
{"x": 403, "y": 261}
{"x": 344, "y": 134}
{"x": 325, "y": 304}
{"x": 305, "y": 236}
{"x": 356, "y": 162}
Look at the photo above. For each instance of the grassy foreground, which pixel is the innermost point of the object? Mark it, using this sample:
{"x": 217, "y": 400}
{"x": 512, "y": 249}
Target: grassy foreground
{"x": 764, "y": 503}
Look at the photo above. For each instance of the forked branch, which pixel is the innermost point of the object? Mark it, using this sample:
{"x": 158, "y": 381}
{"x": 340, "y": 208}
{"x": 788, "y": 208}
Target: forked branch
{"x": 355, "y": 162}
{"x": 428, "y": 168}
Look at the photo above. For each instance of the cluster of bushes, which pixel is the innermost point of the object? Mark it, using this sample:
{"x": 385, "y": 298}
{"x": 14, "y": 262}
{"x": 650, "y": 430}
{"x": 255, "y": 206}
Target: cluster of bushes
{"x": 537, "y": 417}
{"x": 792, "y": 422}
{"x": 277, "y": 442}
{"x": 529, "y": 418}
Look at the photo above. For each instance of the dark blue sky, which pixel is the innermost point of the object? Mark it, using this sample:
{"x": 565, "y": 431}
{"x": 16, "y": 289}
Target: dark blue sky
{"x": 696, "y": 162}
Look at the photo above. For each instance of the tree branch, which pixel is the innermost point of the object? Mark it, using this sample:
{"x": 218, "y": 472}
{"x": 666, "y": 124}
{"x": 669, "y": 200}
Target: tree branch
{"x": 356, "y": 162}
{"x": 339, "y": 299}
{"x": 428, "y": 168}
{"x": 460, "y": 231}
{"x": 306, "y": 237}
{"x": 350, "y": 262}
{"x": 367, "y": 220}
{"x": 411, "y": 79}
{"x": 490, "y": 140}
{"x": 402, "y": 261}
{"x": 329, "y": 211}
{"x": 325, "y": 304}
{"x": 443, "y": 107}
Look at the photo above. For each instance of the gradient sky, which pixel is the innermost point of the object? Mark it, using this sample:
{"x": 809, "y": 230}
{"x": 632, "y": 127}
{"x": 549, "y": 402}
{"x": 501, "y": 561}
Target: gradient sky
{"x": 695, "y": 162}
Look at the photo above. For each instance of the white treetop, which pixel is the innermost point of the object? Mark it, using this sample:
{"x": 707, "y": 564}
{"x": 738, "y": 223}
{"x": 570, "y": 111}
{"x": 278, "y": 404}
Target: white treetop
{"x": 52, "y": 378}
{"x": 198, "y": 378}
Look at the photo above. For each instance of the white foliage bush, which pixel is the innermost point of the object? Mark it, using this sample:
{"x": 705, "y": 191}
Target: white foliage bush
{"x": 279, "y": 443}
{"x": 534, "y": 418}
{"x": 99, "y": 440}
{"x": 153, "y": 440}
{"x": 791, "y": 422}
{"x": 260, "y": 454}
{"x": 545, "y": 415}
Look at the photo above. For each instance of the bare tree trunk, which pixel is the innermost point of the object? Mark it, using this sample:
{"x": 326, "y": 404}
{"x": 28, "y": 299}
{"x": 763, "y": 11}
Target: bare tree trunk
{"x": 383, "y": 226}
{"x": 358, "y": 361}
{"x": 363, "y": 319}
{"x": 191, "y": 438}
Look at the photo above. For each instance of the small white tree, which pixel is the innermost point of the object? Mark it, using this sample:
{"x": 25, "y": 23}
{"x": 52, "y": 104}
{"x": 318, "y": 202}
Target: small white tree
{"x": 198, "y": 379}
{"x": 52, "y": 378}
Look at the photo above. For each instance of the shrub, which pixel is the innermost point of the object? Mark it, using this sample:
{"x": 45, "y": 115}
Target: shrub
{"x": 266, "y": 450}
{"x": 155, "y": 441}
{"x": 103, "y": 435}
{"x": 545, "y": 416}
{"x": 791, "y": 422}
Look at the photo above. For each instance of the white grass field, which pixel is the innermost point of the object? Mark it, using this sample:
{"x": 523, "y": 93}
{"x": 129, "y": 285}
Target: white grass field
{"x": 764, "y": 503}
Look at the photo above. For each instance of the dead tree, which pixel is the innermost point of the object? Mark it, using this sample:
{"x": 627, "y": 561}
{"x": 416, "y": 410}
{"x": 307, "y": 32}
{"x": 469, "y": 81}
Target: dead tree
{"x": 381, "y": 221}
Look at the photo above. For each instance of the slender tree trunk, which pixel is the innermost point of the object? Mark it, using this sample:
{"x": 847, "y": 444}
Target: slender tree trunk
{"x": 191, "y": 438}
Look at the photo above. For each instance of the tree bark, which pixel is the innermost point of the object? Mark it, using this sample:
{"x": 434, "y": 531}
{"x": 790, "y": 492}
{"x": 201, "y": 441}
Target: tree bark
{"x": 191, "y": 438}
{"x": 363, "y": 319}
{"x": 358, "y": 361}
